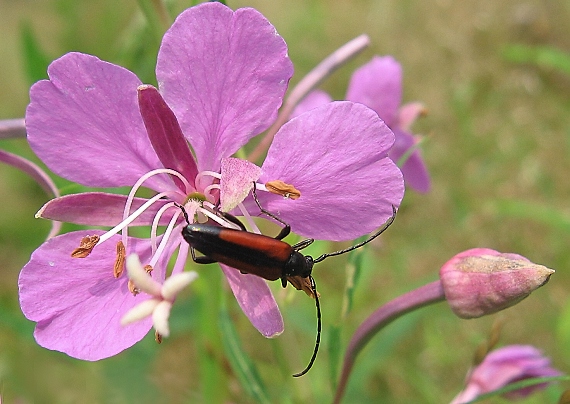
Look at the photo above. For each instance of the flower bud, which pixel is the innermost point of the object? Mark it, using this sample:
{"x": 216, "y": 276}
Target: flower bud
{"x": 481, "y": 281}
{"x": 504, "y": 366}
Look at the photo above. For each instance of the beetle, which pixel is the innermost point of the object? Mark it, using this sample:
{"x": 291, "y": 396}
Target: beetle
{"x": 267, "y": 257}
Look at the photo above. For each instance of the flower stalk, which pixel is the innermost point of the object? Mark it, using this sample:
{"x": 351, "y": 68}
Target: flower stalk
{"x": 413, "y": 300}
{"x": 315, "y": 77}
{"x": 33, "y": 170}
{"x": 12, "y": 128}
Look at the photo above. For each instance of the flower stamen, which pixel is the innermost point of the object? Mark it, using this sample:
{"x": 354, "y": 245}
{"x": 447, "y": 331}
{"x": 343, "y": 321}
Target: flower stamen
{"x": 164, "y": 241}
{"x": 156, "y": 222}
{"x": 248, "y": 219}
{"x": 131, "y": 218}
{"x": 282, "y": 188}
{"x": 119, "y": 266}
{"x": 206, "y": 190}
{"x": 86, "y": 245}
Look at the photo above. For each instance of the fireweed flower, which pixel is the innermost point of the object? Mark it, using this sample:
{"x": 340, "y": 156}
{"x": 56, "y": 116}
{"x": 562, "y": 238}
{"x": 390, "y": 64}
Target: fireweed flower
{"x": 378, "y": 85}
{"x": 222, "y": 76}
{"x": 504, "y": 366}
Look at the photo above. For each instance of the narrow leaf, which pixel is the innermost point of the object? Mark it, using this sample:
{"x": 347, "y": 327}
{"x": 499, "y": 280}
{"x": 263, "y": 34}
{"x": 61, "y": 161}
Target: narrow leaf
{"x": 240, "y": 362}
{"x": 541, "y": 56}
{"x": 35, "y": 60}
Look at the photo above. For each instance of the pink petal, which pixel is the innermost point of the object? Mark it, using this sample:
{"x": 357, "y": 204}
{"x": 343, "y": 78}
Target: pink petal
{"x": 256, "y": 300}
{"x": 414, "y": 169}
{"x": 408, "y": 114}
{"x": 336, "y": 156}
{"x": 237, "y": 180}
{"x": 165, "y": 135}
{"x": 378, "y": 85}
{"x": 510, "y": 364}
{"x": 77, "y": 302}
{"x": 98, "y": 209}
{"x": 84, "y": 123}
{"x": 314, "y": 99}
{"x": 224, "y": 74}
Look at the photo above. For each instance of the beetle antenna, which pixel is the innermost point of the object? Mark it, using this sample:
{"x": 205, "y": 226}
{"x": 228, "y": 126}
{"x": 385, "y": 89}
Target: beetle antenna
{"x": 368, "y": 240}
{"x": 285, "y": 230}
{"x": 317, "y": 343}
{"x": 183, "y": 212}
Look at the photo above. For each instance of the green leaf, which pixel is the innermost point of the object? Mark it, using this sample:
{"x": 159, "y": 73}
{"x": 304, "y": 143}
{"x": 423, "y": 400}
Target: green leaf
{"x": 35, "y": 60}
{"x": 156, "y": 15}
{"x": 353, "y": 269}
{"x": 240, "y": 362}
{"x": 334, "y": 351}
{"x": 541, "y": 56}
{"x": 540, "y": 213}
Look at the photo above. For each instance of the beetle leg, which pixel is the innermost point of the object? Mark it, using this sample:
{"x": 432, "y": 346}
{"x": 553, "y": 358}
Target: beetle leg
{"x": 202, "y": 259}
{"x": 232, "y": 219}
{"x": 285, "y": 230}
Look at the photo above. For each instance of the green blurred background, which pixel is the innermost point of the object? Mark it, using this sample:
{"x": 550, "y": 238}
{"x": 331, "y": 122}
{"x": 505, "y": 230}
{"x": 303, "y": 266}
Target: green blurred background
{"x": 495, "y": 78}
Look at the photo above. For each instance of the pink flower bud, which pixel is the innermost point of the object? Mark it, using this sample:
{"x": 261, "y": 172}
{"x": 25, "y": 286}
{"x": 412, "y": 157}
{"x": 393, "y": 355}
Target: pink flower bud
{"x": 503, "y": 366}
{"x": 481, "y": 281}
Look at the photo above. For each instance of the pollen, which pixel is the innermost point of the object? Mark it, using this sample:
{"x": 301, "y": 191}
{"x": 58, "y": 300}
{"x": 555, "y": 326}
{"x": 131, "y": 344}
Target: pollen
{"x": 158, "y": 337}
{"x": 281, "y": 188}
{"x": 119, "y": 266}
{"x": 85, "y": 247}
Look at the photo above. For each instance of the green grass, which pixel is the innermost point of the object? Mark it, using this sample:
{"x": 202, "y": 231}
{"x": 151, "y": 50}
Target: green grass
{"x": 497, "y": 147}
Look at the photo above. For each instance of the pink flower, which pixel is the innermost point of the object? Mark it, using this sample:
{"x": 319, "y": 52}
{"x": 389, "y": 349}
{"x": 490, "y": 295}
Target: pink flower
{"x": 222, "y": 76}
{"x": 504, "y": 366}
{"x": 378, "y": 85}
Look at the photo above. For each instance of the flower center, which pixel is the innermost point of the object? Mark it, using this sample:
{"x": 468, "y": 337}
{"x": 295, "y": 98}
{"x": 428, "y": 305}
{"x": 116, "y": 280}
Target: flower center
{"x": 200, "y": 203}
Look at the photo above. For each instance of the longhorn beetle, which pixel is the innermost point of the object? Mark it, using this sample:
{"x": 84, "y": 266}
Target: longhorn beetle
{"x": 267, "y": 257}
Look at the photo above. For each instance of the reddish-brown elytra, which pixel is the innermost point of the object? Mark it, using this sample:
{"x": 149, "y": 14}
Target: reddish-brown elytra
{"x": 267, "y": 257}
